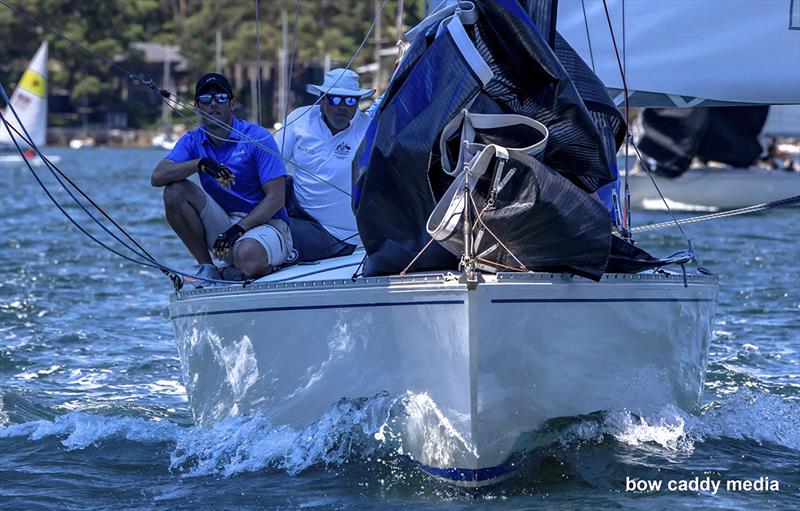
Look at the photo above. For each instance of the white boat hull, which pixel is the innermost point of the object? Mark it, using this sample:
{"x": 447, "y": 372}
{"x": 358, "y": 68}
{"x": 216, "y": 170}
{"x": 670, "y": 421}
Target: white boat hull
{"x": 713, "y": 189}
{"x": 486, "y": 365}
{"x": 15, "y": 159}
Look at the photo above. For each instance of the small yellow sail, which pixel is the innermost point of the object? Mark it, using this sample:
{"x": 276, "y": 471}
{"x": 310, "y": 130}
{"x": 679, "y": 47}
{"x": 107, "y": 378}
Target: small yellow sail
{"x": 34, "y": 83}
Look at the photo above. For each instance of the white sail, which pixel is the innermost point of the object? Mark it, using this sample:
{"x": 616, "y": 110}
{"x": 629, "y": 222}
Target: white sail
{"x": 783, "y": 121}
{"x": 690, "y": 52}
{"x": 30, "y": 102}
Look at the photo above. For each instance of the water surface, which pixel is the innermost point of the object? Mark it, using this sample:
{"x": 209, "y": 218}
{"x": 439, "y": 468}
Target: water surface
{"x": 93, "y": 413}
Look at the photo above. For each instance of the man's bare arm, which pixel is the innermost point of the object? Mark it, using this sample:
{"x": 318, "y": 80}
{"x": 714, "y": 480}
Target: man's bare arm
{"x": 168, "y": 171}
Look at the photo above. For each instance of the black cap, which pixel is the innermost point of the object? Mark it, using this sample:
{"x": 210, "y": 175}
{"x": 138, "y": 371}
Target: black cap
{"x": 212, "y": 80}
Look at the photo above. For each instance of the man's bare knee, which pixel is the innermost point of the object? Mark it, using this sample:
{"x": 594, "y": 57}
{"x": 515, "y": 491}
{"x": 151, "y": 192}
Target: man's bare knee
{"x": 180, "y": 192}
{"x": 251, "y": 257}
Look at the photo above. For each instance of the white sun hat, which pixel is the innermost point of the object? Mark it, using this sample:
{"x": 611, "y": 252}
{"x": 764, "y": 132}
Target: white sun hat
{"x": 340, "y": 82}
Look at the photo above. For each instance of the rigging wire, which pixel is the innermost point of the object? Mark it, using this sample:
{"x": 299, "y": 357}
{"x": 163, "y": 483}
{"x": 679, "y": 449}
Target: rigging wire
{"x": 146, "y": 259}
{"x": 143, "y": 254}
{"x": 167, "y": 95}
{"x": 790, "y": 201}
{"x": 258, "y": 65}
{"x": 588, "y": 35}
{"x": 147, "y": 262}
{"x": 255, "y": 142}
{"x": 53, "y": 168}
{"x": 291, "y": 68}
{"x": 185, "y": 104}
{"x": 147, "y": 83}
{"x": 629, "y": 137}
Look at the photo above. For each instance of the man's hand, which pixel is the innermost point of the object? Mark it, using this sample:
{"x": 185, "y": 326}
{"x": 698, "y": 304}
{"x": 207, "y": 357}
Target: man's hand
{"x": 218, "y": 171}
{"x": 226, "y": 240}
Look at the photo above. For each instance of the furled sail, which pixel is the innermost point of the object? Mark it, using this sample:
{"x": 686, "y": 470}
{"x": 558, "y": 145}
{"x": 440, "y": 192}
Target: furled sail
{"x": 487, "y": 58}
{"x": 690, "y": 53}
{"x": 30, "y": 102}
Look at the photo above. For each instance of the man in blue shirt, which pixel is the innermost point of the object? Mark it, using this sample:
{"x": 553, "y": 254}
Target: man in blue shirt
{"x": 239, "y": 213}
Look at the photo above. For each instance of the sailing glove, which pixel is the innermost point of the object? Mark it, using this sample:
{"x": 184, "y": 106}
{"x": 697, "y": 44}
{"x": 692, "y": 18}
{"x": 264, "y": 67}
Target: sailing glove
{"x": 218, "y": 171}
{"x": 226, "y": 240}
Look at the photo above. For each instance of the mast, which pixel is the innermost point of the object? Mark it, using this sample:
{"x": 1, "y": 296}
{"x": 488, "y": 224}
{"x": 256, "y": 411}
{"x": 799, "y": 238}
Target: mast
{"x": 283, "y": 62}
{"x": 218, "y": 53}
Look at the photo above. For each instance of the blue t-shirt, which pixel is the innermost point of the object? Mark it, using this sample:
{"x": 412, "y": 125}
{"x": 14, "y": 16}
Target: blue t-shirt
{"x": 251, "y": 165}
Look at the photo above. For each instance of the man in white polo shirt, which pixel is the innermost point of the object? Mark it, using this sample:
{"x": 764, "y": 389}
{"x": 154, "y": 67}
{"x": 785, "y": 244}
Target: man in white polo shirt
{"x": 319, "y": 142}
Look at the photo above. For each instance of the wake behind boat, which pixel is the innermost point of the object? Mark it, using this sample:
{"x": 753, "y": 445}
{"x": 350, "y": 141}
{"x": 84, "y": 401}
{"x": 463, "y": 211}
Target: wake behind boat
{"x": 493, "y": 293}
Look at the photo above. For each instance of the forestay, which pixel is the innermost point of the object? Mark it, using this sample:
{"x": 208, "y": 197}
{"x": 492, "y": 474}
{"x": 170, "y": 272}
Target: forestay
{"x": 691, "y": 53}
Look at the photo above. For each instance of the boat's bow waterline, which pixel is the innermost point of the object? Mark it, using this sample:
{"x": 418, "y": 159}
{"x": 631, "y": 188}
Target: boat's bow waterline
{"x": 484, "y": 365}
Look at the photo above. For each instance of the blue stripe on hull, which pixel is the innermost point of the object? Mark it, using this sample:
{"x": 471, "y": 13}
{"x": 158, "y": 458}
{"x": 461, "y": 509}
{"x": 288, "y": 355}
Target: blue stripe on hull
{"x": 469, "y": 476}
{"x": 602, "y": 300}
{"x": 317, "y": 307}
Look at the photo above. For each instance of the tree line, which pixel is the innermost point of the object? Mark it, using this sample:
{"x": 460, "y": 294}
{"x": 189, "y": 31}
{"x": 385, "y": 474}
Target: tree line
{"x": 316, "y": 30}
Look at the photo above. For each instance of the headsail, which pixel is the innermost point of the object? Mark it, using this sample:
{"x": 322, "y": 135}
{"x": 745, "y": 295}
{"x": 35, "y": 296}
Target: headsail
{"x": 477, "y": 69}
{"x": 686, "y": 54}
{"x": 30, "y": 101}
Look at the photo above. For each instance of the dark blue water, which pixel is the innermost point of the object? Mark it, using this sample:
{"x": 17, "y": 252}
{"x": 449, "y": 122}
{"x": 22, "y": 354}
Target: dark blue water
{"x": 93, "y": 414}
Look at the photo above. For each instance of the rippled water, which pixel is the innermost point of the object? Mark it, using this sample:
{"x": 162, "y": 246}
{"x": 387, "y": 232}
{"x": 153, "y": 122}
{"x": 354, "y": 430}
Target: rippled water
{"x": 93, "y": 414}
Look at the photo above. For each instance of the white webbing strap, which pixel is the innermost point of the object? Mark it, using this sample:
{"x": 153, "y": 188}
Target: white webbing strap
{"x": 470, "y": 123}
{"x": 446, "y": 216}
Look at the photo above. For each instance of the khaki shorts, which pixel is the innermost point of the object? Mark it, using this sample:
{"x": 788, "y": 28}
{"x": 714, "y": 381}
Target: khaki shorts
{"x": 274, "y": 236}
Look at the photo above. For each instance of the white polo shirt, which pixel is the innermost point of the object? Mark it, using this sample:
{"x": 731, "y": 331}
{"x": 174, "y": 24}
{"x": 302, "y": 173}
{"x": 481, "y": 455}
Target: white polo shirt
{"x": 321, "y": 158}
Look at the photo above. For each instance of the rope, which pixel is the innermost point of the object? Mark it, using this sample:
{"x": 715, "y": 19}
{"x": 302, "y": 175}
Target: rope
{"x": 588, "y": 35}
{"x": 166, "y": 95}
{"x": 790, "y": 201}
{"x": 255, "y": 142}
{"x": 291, "y": 68}
{"x": 627, "y": 222}
{"x": 146, "y": 259}
{"x": 147, "y": 83}
{"x": 522, "y": 267}
{"x": 258, "y": 65}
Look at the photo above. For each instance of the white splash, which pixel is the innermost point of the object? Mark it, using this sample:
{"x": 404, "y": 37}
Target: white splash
{"x": 3, "y": 416}
{"x": 29, "y": 375}
{"x": 372, "y": 430}
{"x": 426, "y": 425}
{"x": 746, "y": 415}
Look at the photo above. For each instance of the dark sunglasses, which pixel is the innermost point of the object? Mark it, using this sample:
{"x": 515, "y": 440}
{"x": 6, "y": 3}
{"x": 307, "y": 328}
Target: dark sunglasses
{"x": 219, "y": 97}
{"x": 337, "y": 100}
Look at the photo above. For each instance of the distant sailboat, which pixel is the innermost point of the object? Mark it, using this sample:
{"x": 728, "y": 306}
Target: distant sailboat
{"x": 29, "y": 101}
{"x": 676, "y": 57}
{"x": 711, "y": 159}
